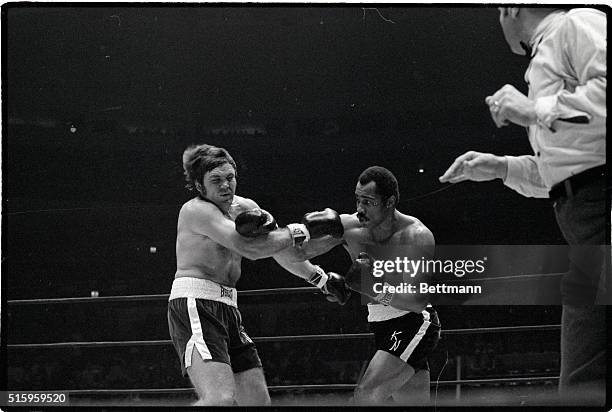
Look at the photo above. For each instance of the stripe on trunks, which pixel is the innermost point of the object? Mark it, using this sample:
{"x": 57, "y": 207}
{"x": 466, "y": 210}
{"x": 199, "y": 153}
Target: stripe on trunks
{"x": 417, "y": 337}
{"x": 197, "y": 338}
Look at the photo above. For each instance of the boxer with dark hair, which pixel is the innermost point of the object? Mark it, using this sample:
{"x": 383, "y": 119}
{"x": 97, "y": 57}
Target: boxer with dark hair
{"x": 405, "y": 326}
{"x": 215, "y": 230}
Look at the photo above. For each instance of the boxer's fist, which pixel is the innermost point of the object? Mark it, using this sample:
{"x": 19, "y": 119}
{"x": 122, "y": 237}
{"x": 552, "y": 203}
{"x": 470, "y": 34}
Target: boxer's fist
{"x": 315, "y": 225}
{"x": 359, "y": 277}
{"x": 336, "y": 289}
{"x": 255, "y": 222}
{"x": 323, "y": 223}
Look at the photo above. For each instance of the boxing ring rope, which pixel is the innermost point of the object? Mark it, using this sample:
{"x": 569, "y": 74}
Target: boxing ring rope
{"x": 330, "y": 387}
{"x": 252, "y": 292}
{"x": 287, "y": 338}
{"x": 140, "y": 298}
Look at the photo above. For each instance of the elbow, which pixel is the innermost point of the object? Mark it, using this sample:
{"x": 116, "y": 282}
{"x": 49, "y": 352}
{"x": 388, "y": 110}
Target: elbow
{"x": 419, "y": 307}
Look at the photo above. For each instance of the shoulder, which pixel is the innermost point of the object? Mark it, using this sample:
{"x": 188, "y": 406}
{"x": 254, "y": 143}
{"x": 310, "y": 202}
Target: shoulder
{"x": 198, "y": 208}
{"x": 585, "y": 13}
{"x": 414, "y": 232}
{"x": 583, "y": 21}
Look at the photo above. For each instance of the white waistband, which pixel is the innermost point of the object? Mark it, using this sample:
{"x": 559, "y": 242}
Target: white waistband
{"x": 188, "y": 287}
{"x": 379, "y": 313}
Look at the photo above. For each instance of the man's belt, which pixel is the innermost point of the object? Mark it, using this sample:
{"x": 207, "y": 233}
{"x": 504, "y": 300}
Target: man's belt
{"x": 572, "y": 184}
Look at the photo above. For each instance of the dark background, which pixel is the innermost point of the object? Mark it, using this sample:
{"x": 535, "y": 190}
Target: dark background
{"x": 100, "y": 102}
{"x": 304, "y": 98}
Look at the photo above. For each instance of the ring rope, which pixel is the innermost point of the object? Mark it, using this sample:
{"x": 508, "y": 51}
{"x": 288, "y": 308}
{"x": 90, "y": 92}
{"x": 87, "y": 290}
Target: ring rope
{"x": 338, "y": 386}
{"x": 252, "y": 292}
{"x": 137, "y": 298}
{"x": 284, "y": 338}
{"x": 261, "y": 339}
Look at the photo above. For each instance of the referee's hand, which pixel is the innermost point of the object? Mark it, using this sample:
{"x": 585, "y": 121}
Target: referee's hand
{"x": 476, "y": 167}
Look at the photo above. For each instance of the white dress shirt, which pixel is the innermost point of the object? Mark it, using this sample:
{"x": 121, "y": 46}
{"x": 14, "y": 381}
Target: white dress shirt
{"x": 567, "y": 81}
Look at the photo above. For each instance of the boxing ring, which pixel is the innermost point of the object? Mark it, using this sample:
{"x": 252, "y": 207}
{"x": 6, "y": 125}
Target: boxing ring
{"x": 493, "y": 391}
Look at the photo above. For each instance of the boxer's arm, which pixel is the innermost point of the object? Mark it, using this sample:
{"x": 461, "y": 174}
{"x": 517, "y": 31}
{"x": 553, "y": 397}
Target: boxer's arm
{"x": 206, "y": 219}
{"x": 331, "y": 284}
{"x": 311, "y": 249}
{"x": 322, "y": 245}
{"x": 305, "y": 270}
{"x": 302, "y": 269}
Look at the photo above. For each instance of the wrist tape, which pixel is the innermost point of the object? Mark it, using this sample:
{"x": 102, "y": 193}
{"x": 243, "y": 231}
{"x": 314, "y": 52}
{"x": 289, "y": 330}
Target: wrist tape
{"x": 319, "y": 277}
{"x": 299, "y": 233}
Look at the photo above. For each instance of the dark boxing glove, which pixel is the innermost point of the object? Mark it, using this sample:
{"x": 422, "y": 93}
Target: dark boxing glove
{"x": 255, "y": 222}
{"x": 323, "y": 223}
{"x": 332, "y": 285}
{"x": 315, "y": 225}
{"x": 360, "y": 279}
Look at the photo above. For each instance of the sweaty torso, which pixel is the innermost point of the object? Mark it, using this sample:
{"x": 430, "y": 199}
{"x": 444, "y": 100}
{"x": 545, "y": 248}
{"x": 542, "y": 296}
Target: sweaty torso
{"x": 358, "y": 239}
{"x": 199, "y": 256}
{"x": 399, "y": 244}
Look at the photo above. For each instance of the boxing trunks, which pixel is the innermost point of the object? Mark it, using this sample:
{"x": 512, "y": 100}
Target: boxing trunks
{"x": 203, "y": 315}
{"x": 410, "y": 336}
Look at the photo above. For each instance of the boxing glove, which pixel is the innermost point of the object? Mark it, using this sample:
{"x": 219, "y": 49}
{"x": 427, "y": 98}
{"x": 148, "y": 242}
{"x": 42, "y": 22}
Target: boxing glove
{"x": 360, "y": 279}
{"x": 332, "y": 285}
{"x": 315, "y": 225}
{"x": 255, "y": 222}
{"x": 336, "y": 289}
{"x": 359, "y": 276}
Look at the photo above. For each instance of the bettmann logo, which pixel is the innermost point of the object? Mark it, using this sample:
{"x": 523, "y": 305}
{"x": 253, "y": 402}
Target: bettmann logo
{"x": 227, "y": 292}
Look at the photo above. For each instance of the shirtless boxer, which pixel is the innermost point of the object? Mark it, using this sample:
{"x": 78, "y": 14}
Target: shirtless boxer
{"x": 215, "y": 230}
{"x": 405, "y": 326}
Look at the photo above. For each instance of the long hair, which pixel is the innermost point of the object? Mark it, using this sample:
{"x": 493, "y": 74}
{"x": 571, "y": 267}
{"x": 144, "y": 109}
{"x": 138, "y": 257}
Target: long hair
{"x": 199, "y": 159}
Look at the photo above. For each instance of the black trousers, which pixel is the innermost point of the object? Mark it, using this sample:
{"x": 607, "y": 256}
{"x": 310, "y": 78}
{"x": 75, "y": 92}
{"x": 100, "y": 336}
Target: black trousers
{"x": 582, "y": 217}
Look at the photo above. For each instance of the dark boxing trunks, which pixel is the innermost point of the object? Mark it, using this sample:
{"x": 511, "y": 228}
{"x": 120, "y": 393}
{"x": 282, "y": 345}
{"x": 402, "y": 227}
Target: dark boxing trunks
{"x": 411, "y": 337}
{"x": 208, "y": 321}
